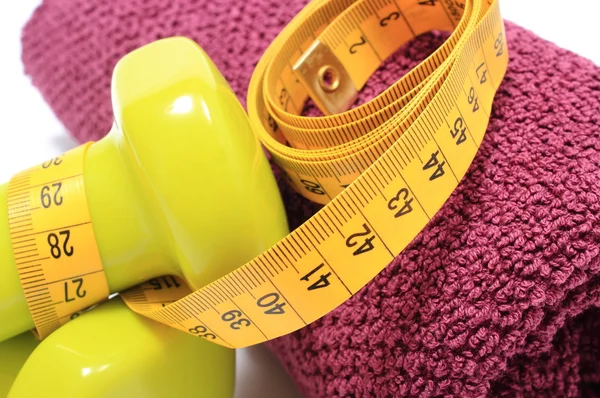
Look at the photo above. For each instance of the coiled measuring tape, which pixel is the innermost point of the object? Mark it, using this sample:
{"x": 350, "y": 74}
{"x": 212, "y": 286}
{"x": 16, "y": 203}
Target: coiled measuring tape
{"x": 383, "y": 169}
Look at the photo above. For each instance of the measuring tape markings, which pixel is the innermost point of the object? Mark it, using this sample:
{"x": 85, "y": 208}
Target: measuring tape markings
{"x": 321, "y": 264}
{"x": 53, "y": 241}
{"x": 381, "y": 187}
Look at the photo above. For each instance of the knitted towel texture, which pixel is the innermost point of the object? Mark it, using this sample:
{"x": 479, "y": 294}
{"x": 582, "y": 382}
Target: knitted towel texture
{"x": 498, "y": 296}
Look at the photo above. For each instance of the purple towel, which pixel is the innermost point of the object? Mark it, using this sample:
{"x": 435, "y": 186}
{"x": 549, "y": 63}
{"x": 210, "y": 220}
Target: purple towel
{"x": 499, "y": 295}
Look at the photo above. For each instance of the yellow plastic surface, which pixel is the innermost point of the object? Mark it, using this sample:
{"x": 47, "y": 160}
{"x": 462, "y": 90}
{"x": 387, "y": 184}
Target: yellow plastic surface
{"x": 179, "y": 186}
{"x": 113, "y": 352}
{"x": 13, "y": 354}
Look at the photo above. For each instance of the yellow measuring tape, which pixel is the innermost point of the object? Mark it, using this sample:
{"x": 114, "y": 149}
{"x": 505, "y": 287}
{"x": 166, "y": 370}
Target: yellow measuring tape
{"x": 48, "y": 217}
{"x": 383, "y": 169}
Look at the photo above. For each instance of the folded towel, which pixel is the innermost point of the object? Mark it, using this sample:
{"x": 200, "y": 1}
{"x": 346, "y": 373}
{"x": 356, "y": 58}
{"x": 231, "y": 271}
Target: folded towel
{"x": 499, "y": 294}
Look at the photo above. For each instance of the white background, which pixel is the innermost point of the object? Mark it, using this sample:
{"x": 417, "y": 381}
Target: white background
{"x": 29, "y": 131}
